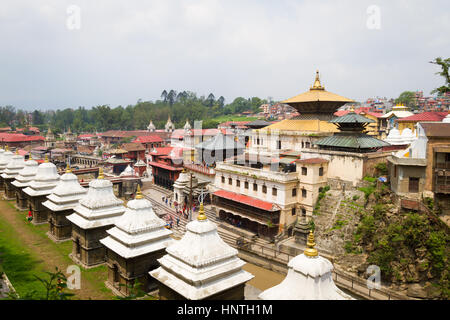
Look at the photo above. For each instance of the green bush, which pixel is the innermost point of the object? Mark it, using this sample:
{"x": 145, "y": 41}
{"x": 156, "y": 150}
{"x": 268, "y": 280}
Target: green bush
{"x": 381, "y": 168}
{"x": 436, "y": 244}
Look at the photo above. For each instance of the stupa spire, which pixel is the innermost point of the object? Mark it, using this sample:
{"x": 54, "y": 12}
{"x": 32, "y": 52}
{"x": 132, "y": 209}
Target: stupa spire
{"x": 139, "y": 194}
{"x": 201, "y": 213}
{"x": 317, "y": 85}
{"x": 310, "y": 251}
{"x": 100, "y": 173}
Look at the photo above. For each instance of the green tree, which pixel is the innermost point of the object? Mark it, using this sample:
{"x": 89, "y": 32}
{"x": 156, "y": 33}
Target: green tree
{"x": 408, "y": 98}
{"x": 444, "y": 64}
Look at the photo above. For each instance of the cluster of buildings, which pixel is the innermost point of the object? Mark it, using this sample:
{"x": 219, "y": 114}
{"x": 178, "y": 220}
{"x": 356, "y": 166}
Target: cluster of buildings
{"x": 259, "y": 176}
{"x": 133, "y": 242}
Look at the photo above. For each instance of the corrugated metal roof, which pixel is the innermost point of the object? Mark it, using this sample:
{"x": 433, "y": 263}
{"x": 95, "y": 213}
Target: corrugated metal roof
{"x": 351, "y": 117}
{"x": 358, "y": 141}
{"x": 220, "y": 142}
{"x": 253, "y": 202}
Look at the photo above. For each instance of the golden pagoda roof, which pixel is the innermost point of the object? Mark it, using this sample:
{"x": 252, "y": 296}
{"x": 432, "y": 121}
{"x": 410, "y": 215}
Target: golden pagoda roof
{"x": 302, "y": 125}
{"x": 317, "y": 93}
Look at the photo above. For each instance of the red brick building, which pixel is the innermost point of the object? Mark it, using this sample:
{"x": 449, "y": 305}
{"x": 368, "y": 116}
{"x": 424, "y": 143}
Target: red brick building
{"x": 166, "y": 164}
{"x": 19, "y": 140}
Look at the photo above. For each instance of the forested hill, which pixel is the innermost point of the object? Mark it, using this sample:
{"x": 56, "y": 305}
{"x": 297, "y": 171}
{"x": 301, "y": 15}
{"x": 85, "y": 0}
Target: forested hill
{"x": 180, "y": 106}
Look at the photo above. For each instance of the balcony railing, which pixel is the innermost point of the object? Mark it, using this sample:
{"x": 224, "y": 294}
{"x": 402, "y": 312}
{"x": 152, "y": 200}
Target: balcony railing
{"x": 258, "y": 173}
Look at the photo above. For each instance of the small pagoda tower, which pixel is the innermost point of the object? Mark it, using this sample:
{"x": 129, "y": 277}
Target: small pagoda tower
{"x": 309, "y": 278}
{"x": 60, "y": 203}
{"x": 133, "y": 246}
{"x": 5, "y": 158}
{"x": 351, "y": 136}
{"x": 151, "y": 127}
{"x": 44, "y": 182}
{"x": 23, "y": 179}
{"x": 10, "y": 173}
{"x": 170, "y": 127}
{"x": 187, "y": 126}
{"x": 95, "y": 213}
{"x": 50, "y": 140}
{"x": 201, "y": 266}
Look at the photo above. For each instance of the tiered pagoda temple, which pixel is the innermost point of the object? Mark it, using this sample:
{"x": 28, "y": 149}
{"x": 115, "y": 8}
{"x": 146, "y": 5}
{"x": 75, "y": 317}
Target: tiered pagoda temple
{"x": 201, "y": 266}
{"x": 317, "y": 103}
{"x": 23, "y": 179}
{"x": 61, "y": 202}
{"x": 10, "y": 173}
{"x": 352, "y": 136}
{"x": 44, "y": 182}
{"x": 309, "y": 278}
{"x": 5, "y": 158}
{"x": 95, "y": 213}
{"x": 133, "y": 246}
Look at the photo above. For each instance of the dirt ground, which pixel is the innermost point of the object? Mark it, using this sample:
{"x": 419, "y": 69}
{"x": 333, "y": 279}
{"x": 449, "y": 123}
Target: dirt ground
{"x": 47, "y": 252}
{"x": 264, "y": 279}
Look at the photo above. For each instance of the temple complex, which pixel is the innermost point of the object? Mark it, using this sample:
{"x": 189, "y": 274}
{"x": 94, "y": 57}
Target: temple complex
{"x": 9, "y": 174}
{"x": 95, "y": 213}
{"x": 133, "y": 246}
{"x": 23, "y": 179}
{"x": 5, "y": 157}
{"x": 201, "y": 266}
{"x": 44, "y": 182}
{"x": 309, "y": 278}
{"x": 61, "y": 201}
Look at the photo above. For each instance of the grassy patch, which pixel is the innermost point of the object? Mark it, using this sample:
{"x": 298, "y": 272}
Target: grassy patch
{"x": 19, "y": 262}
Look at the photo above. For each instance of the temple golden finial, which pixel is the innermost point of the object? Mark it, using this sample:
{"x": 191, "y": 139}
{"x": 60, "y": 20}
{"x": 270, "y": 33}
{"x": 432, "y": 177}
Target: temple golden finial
{"x": 30, "y": 157}
{"x": 17, "y": 151}
{"x": 311, "y": 251}
{"x": 6, "y": 148}
{"x": 68, "y": 170}
{"x": 46, "y": 159}
{"x": 100, "y": 173}
{"x": 352, "y": 108}
{"x": 139, "y": 194}
{"x": 317, "y": 85}
{"x": 201, "y": 213}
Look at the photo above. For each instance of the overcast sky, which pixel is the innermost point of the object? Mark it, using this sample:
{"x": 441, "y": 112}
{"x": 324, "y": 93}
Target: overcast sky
{"x": 125, "y": 50}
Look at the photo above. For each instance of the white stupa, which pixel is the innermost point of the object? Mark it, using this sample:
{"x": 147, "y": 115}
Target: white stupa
{"x": 408, "y": 136}
{"x": 151, "y": 127}
{"x": 99, "y": 207}
{"x": 394, "y": 137}
{"x": 5, "y": 158}
{"x": 201, "y": 264}
{"x": 27, "y": 174}
{"x": 127, "y": 172}
{"x": 44, "y": 181}
{"x": 169, "y": 127}
{"x": 187, "y": 126}
{"x": 66, "y": 194}
{"x": 138, "y": 231}
{"x": 13, "y": 167}
{"x": 309, "y": 278}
